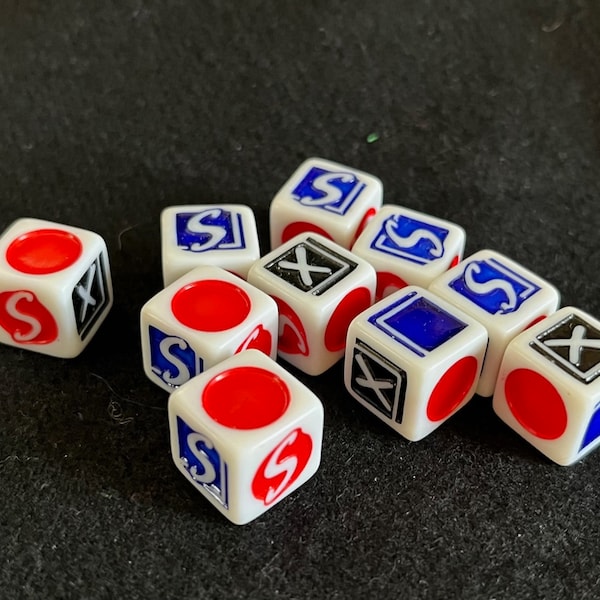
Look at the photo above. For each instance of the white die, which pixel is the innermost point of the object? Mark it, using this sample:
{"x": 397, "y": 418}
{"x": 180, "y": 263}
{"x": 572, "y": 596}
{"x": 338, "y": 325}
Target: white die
{"x": 319, "y": 288}
{"x": 55, "y": 287}
{"x": 222, "y": 235}
{"x": 501, "y": 294}
{"x": 413, "y": 360}
{"x": 199, "y": 320}
{"x": 407, "y": 247}
{"x": 548, "y": 389}
{"x": 246, "y": 434}
{"x": 327, "y": 198}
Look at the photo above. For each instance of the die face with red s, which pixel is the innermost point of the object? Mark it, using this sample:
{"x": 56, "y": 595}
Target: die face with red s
{"x": 327, "y": 198}
{"x": 501, "y": 294}
{"x": 548, "y": 388}
{"x": 200, "y": 319}
{"x": 413, "y": 360}
{"x": 55, "y": 287}
{"x": 245, "y": 434}
{"x": 407, "y": 247}
{"x": 222, "y": 235}
{"x": 319, "y": 288}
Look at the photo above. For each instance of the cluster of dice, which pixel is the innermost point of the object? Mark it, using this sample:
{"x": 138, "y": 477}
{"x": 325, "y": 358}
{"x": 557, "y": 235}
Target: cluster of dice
{"x": 421, "y": 329}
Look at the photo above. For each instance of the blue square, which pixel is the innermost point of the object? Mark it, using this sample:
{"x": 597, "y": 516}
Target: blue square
{"x": 202, "y": 461}
{"x": 493, "y": 286}
{"x": 211, "y": 229}
{"x": 413, "y": 240}
{"x": 333, "y": 191}
{"x": 417, "y": 323}
{"x": 172, "y": 359}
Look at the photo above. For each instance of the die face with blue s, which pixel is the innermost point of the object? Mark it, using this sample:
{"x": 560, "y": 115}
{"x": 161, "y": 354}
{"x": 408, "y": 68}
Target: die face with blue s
{"x": 223, "y": 235}
{"x": 402, "y": 353}
{"x": 548, "y": 388}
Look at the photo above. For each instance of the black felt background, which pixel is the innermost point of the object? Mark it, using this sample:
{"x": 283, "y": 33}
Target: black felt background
{"x": 488, "y": 114}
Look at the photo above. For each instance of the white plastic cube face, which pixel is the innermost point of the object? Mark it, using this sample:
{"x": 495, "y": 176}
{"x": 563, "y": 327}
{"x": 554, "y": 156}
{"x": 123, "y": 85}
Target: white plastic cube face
{"x": 327, "y": 198}
{"x": 502, "y": 295}
{"x": 246, "y": 434}
{"x": 413, "y": 360}
{"x": 55, "y": 287}
{"x": 408, "y": 248}
{"x": 548, "y": 389}
{"x": 201, "y": 319}
{"x": 319, "y": 288}
{"x": 222, "y": 235}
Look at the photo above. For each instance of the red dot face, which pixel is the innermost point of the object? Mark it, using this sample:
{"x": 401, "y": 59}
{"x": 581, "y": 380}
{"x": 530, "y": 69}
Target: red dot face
{"x": 452, "y": 388}
{"x": 44, "y": 251}
{"x": 365, "y": 221}
{"x": 292, "y": 336}
{"x": 246, "y": 398}
{"x": 282, "y": 466}
{"x": 26, "y": 319}
{"x": 211, "y": 305}
{"x": 454, "y": 262}
{"x": 388, "y": 283}
{"x": 536, "y": 404}
{"x": 259, "y": 339}
{"x": 294, "y": 229}
{"x": 337, "y": 328}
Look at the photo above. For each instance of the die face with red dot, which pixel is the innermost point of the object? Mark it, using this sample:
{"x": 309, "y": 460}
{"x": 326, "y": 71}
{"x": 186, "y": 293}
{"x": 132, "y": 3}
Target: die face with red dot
{"x": 55, "y": 287}
{"x": 501, "y": 294}
{"x": 222, "y": 235}
{"x": 325, "y": 198}
{"x": 319, "y": 288}
{"x": 407, "y": 247}
{"x": 199, "y": 320}
{"x": 413, "y": 360}
{"x": 548, "y": 388}
{"x": 246, "y": 434}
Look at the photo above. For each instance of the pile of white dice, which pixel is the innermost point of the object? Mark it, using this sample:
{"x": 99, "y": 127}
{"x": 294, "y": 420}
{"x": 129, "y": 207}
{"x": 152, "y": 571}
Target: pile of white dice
{"x": 421, "y": 329}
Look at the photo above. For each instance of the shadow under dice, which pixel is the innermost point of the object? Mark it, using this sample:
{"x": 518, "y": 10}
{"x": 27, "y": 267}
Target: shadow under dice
{"x": 327, "y": 198}
{"x": 501, "y": 294}
{"x": 201, "y": 319}
{"x": 319, "y": 288}
{"x": 413, "y": 360}
{"x": 548, "y": 389}
{"x": 246, "y": 434}
{"x": 408, "y": 248}
{"x": 55, "y": 287}
{"x": 221, "y": 235}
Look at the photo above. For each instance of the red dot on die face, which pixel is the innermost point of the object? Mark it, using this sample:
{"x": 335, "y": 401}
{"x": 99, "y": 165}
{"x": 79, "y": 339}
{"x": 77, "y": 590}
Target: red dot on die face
{"x": 452, "y": 388}
{"x": 44, "y": 251}
{"x": 246, "y": 398}
{"x": 536, "y": 404}
{"x": 337, "y": 328}
{"x": 388, "y": 283}
{"x": 294, "y": 229}
{"x": 211, "y": 305}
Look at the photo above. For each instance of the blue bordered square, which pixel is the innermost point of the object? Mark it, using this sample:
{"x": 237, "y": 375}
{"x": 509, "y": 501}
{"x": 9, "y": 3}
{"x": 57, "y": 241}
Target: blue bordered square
{"x": 211, "y": 229}
{"x": 417, "y": 323}
{"x": 203, "y": 463}
{"x": 411, "y": 239}
{"x": 332, "y": 191}
{"x": 493, "y": 286}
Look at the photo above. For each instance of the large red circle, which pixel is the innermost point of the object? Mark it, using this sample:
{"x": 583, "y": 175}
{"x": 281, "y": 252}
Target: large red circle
{"x": 211, "y": 305}
{"x": 452, "y": 388}
{"x": 350, "y": 306}
{"x": 298, "y": 227}
{"x": 388, "y": 283}
{"x": 536, "y": 404}
{"x": 246, "y": 397}
{"x": 44, "y": 251}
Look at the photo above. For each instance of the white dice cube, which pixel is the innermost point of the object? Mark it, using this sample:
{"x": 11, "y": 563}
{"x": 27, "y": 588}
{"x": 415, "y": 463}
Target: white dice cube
{"x": 319, "y": 288}
{"x": 407, "y": 247}
{"x": 246, "y": 434}
{"x": 413, "y": 360}
{"x": 503, "y": 295}
{"x": 55, "y": 287}
{"x": 327, "y": 198}
{"x": 222, "y": 235}
{"x": 548, "y": 389}
{"x": 201, "y": 319}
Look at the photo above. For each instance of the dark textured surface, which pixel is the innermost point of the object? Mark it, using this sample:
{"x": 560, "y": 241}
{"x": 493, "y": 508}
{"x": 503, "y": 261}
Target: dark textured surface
{"x": 488, "y": 114}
